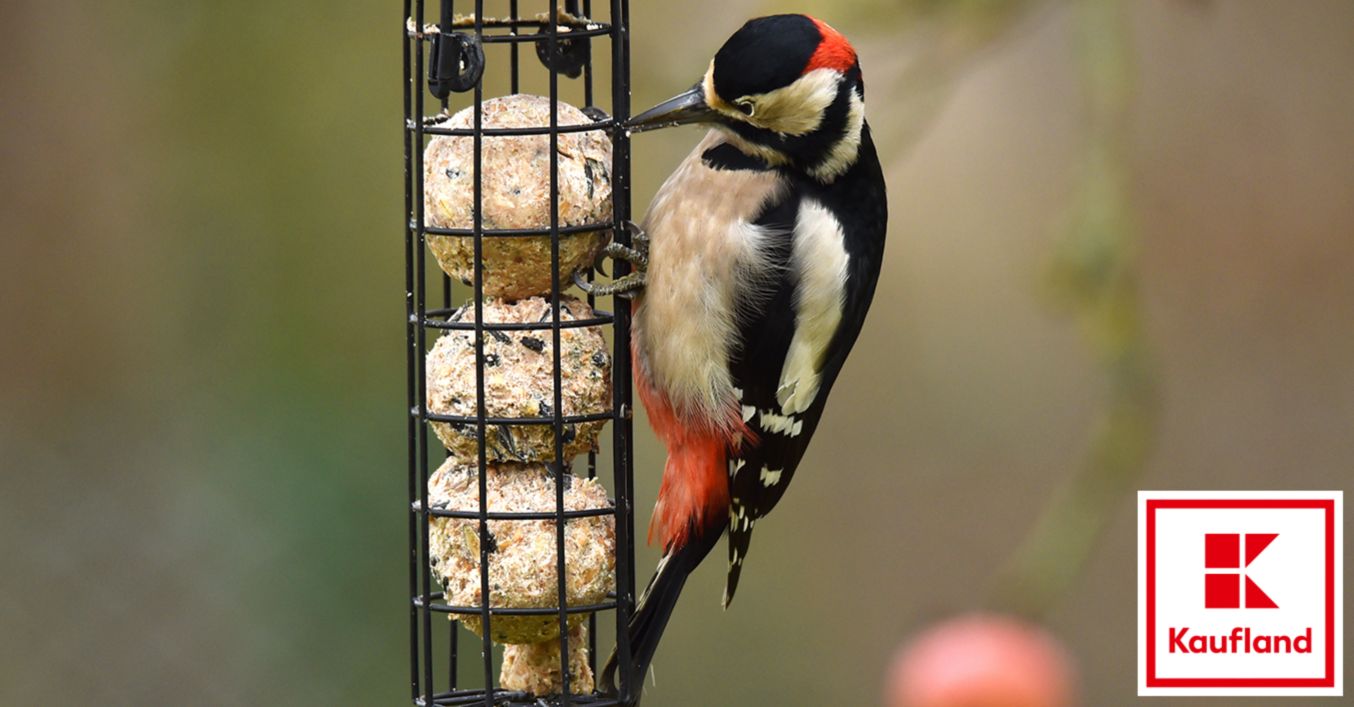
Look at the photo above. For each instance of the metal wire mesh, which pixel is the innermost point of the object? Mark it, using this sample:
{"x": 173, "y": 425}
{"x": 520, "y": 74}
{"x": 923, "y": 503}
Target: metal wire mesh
{"x": 453, "y": 78}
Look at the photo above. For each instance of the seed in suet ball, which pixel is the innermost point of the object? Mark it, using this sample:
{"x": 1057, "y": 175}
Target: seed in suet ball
{"x": 522, "y": 560}
{"x": 515, "y": 193}
{"x": 519, "y": 382}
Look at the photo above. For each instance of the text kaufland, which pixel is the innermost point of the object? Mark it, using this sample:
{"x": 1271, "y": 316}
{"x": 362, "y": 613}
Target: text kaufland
{"x": 1240, "y": 640}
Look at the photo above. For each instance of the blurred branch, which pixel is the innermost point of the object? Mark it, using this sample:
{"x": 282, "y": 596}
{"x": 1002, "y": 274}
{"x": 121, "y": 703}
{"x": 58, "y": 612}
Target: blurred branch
{"x": 1093, "y": 276}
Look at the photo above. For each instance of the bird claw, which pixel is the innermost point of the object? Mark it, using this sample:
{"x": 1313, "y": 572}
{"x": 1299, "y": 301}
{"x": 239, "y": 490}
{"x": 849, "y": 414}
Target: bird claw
{"x": 626, "y": 286}
{"x": 637, "y": 256}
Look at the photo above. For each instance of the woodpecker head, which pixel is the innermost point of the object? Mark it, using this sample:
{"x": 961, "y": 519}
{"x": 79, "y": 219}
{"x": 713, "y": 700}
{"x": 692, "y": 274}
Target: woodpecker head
{"x": 786, "y": 89}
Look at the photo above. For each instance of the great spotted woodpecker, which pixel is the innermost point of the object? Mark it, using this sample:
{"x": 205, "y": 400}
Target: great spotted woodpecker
{"x": 762, "y": 253}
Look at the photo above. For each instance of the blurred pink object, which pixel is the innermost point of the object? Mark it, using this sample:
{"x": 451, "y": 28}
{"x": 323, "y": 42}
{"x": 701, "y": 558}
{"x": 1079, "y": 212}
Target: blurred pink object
{"x": 981, "y": 660}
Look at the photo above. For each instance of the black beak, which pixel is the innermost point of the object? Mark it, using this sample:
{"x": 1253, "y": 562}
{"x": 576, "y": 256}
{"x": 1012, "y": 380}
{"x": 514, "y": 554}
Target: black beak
{"x": 686, "y": 107}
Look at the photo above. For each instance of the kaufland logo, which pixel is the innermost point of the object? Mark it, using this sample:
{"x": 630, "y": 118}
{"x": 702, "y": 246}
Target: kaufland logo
{"x": 1239, "y": 593}
{"x": 1222, "y": 551}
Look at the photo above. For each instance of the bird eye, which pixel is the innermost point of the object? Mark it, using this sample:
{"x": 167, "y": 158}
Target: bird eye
{"x": 746, "y": 106}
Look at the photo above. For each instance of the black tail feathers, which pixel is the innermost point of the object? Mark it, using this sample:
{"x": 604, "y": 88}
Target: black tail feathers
{"x": 653, "y": 611}
{"x": 740, "y": 537}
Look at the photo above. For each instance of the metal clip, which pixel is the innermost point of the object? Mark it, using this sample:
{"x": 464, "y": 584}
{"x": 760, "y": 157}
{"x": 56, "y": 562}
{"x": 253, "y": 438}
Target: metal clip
{"x": 456, "y": 63}
{"x": 570, "y": 55}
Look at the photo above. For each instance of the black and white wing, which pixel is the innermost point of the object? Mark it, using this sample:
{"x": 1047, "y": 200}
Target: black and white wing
{"x": 794, "y": 343}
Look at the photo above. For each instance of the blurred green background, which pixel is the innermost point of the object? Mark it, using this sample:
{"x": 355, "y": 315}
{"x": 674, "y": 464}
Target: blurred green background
{"x": 1121, "y": 256}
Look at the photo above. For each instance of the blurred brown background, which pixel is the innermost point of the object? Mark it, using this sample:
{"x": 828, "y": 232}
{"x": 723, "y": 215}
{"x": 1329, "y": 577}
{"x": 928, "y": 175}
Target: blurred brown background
{"x": 1121, "y": 231}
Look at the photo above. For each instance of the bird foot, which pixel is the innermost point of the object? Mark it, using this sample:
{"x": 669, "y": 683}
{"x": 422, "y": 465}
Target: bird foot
{"x": 624, "y": 287}
{"x": 638, "y": 257}
{"x": 637, "y": 254}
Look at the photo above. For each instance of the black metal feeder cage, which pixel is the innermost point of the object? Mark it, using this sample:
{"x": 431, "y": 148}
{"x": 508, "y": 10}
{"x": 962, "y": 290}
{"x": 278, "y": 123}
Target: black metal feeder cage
{"x": 448, "y": 59}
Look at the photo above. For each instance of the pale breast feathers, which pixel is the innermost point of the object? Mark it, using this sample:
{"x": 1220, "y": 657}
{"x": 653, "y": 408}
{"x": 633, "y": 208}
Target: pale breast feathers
{"x": 703, "y": 248}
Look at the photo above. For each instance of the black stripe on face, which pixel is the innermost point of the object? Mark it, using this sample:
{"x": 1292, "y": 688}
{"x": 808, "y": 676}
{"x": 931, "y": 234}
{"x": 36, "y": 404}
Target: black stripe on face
{"x": 766, "y": 54}
{"x": 725, "y": 156}
{"x": 806, "y": 150}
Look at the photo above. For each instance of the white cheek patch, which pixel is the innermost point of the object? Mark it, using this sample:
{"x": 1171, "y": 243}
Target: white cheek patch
{"x": 798, "y": 109}
{"x": 820, "y": 260}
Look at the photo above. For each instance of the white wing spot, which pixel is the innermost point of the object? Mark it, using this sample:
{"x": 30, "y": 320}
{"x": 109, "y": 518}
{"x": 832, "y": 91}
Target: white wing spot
{"x": 780, "y": 424}
{"x": 770, "y": 477}
{"x": 748, "y": 412}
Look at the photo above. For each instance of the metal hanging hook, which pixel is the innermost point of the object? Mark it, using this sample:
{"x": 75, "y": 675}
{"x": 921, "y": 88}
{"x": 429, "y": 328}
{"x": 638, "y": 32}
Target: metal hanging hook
{"x": 569, "y": 57}
{"x": 456, "y": 63}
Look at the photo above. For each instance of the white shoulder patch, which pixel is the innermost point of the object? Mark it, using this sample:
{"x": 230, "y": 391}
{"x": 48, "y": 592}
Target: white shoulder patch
{"x": 819, "y": 259}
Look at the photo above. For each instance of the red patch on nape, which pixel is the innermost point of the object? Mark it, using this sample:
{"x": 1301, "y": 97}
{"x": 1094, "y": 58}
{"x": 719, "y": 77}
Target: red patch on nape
{"x": 833, "y": 52}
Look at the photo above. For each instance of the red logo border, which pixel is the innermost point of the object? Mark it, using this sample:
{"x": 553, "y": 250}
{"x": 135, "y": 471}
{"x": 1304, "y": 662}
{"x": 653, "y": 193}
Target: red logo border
{"x": 1153, "y": 504}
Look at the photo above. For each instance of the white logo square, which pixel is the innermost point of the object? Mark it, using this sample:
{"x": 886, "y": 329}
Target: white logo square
{"x": 1240, "y": 593}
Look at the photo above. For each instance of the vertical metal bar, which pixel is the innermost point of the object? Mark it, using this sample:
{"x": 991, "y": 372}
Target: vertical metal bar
{"x": 477, "y": 214}
{"x": 588, "y": 100}
{"x": 587, "y": 68}
{"x": 453, "y": 627}
{"x": 560, "y": 467}
{"x": 512, "y": 15}
{"x": 444, "y": 25}
{"x": 420, "y": 381}
{"x": 622, "y": 443}
{"x": 453, "y": 660}
{"x": 411, "y": 323}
